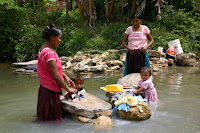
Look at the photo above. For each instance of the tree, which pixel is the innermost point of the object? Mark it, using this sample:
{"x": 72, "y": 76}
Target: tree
{"x": 87, "y": 11}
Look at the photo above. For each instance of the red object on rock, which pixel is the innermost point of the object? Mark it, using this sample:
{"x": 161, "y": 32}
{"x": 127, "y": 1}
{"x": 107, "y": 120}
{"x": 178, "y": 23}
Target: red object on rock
{"x": 124, "y": 84}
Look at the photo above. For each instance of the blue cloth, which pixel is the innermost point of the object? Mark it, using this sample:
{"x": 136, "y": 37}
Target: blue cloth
{"x": 141, "y": 99}
{"x": 123, "y": 106}
{"x": 125, "y": 65}
{"x": 147, "y": 63}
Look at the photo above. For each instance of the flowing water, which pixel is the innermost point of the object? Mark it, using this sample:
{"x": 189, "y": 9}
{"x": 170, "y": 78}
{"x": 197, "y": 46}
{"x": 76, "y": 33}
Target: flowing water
{"x": 178, "y": 108}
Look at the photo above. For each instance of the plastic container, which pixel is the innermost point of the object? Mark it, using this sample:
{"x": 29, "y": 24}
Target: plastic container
{"x": 113, "y": 87}
{"x": 171, "y": 51}
{"x": 160, "y": 49}
{"x": 176, "y": 45}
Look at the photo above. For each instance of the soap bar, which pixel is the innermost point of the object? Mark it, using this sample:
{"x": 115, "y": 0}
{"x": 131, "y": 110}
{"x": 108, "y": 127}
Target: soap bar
{"x": 114, "y": 87}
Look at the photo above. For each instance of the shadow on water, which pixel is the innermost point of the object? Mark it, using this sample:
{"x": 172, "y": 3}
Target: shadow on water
{"x": 177, "y": 112}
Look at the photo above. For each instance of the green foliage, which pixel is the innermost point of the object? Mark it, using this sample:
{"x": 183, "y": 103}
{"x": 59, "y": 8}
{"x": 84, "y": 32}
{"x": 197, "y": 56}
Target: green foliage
{"x": 182, "y": 25}
{"x": 29, "y": 43}
{"x": 11, "y": 22}
{"x": 21, "y": 30}
{"x": 115, "y": 56}
{"x": 113, "y": 34}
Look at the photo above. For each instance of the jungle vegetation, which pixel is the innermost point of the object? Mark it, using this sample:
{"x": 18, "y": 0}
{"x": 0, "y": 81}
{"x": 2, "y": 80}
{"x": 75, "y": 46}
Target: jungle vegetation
{"x": 94, "y": 24}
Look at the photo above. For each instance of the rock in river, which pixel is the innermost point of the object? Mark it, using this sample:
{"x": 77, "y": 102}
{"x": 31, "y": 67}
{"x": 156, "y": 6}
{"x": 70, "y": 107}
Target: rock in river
{"x": 88, "y": 107}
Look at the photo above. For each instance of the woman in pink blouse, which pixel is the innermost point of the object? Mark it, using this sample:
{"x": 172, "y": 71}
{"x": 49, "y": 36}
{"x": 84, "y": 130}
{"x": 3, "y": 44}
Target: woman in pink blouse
{"x": 51, "y": 77}
{"x": 137, "y": 36}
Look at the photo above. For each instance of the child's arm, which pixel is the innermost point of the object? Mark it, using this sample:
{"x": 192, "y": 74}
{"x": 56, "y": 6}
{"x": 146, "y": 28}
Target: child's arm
{"x": 136, "y": 89}
{"x": 139, "y": 89}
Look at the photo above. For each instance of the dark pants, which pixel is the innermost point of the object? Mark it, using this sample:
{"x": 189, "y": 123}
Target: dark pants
{"x": 135, "y": 62}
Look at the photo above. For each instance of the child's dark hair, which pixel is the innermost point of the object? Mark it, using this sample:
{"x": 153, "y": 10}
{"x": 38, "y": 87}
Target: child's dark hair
{"x": 145, "y": 69}
{"x": 50, "y": 30}
{"x": 76, "y": 77}
{"x": 136, "y": 15}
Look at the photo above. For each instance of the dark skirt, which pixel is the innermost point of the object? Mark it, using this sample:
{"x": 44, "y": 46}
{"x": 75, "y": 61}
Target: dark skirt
{"x": 49, "y": 106}
{"x": 135, "y": 62}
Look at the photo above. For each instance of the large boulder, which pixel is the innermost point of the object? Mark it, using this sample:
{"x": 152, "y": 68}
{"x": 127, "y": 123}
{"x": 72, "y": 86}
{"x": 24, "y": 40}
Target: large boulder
{"x": 131, "y": 79}
{"x": 187, "y": 60}
{"x": 99, "y": 68}
{"x": 88, "y": 107}
{"x": 135, "y": 113}
{"x": 154, "y": 53}
{"x": 115, "y": 63}
{"x": 123, "y": 57}
{"x": 24, "y": 64}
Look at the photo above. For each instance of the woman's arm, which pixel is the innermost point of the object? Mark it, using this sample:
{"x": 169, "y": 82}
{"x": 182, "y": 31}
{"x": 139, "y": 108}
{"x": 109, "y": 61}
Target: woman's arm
{"x": 69, "y": 81}
{"x": 132, "y": 51}
{"x": 57, "y": 78}
{"x": 150, "y": 38}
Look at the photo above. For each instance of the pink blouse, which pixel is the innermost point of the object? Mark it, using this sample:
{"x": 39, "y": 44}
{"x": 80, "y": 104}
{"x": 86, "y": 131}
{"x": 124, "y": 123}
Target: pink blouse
{"x": 149, "y": 90}
{"x": 137, "y": 39}
{"x": 46, "y": 78}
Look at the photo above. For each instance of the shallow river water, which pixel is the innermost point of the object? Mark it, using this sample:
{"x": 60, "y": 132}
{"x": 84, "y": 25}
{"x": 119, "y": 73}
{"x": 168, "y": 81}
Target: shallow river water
{"x": 178, "y": 108}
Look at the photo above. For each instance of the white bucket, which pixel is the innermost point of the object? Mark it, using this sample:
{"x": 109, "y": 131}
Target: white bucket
{"x": 177, "y": 46}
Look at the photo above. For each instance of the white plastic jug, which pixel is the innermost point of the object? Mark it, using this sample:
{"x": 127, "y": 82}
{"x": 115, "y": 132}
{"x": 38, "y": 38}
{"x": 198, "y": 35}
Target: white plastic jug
{"x": 177, "y": 46}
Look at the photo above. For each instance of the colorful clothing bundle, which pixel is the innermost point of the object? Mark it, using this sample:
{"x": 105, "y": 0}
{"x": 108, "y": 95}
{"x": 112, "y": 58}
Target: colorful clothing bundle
{"x": 124, "y": 100}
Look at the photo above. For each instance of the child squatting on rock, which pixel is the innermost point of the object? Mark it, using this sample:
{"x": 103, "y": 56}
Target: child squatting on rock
{"x": 79, "y": 81}
{"x": 145, "y": 84}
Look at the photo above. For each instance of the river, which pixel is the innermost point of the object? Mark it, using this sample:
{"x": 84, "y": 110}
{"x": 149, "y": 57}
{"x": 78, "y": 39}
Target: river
{"x": 178, "y": 108}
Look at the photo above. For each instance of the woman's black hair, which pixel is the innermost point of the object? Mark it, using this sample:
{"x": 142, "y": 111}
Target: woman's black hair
{"x": 146, "y": 69}
{"x": 50, "y": 30}
{"x": 136, "y": 15}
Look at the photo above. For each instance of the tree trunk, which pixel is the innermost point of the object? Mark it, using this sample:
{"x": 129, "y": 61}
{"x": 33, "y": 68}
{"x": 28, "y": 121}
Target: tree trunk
{"x": 133, "y": 8}
{"x": 87, "y": 11}
{"x": 159, "y": 2}
{"x": 112, "y": 10}
{"x": 66, "y": 5}
{"x": 70, "y": 5}
{"x": 107, "y": 9}
{"x": 92, "y": 13}
{"x": 80, "y": 10}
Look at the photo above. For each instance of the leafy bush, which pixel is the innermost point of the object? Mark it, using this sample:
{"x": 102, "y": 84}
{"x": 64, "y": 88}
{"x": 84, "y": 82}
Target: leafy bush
{"x": 11, "y": 23}
{"x": 183, "y": 26}
{"x": 21, "y": 32}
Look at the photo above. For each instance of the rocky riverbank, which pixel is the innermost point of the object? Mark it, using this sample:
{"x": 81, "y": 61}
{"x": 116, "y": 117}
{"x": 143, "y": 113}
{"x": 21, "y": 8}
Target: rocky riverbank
{"x": 112, "y": 60}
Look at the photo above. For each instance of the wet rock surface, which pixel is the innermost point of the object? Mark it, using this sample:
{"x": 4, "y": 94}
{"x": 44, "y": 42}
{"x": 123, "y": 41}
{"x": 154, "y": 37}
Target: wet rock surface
{"x": 135, "y": 113}
{"x": 88, "y": 107}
